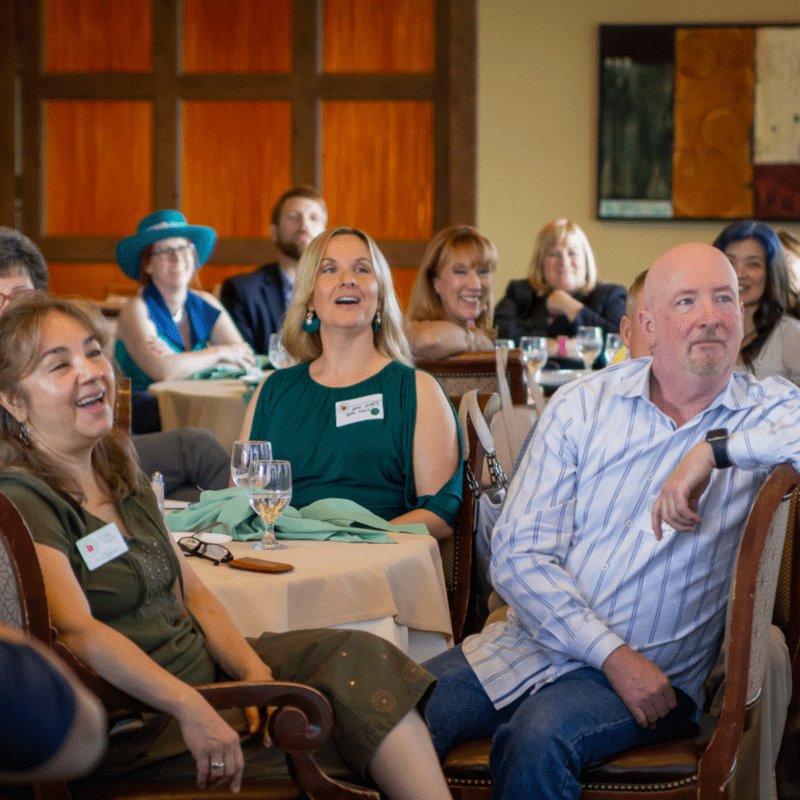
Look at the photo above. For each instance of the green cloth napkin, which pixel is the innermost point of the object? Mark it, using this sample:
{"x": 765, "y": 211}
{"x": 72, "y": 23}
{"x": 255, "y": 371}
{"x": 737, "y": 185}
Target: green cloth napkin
{"x": 221, "y": 372}
{"x": 333, "y": 519}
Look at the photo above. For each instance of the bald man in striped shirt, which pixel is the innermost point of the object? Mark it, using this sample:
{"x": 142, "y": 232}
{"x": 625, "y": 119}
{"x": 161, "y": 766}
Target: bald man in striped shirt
{"x": 617, "y": 586}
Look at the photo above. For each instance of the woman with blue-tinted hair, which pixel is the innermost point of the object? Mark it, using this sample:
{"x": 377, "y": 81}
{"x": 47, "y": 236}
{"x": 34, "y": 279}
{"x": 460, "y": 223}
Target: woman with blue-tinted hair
{"x": 771, "y": 344}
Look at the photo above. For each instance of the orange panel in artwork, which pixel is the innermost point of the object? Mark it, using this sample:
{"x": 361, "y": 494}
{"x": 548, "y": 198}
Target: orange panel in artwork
{"x": 714, "y": 76}
{"x": 240, "y": 36}
{"x": 236, "y": 163}
{"x": 377, "y": 166}
{"x": 98, "y": 36}
{"x": 97, "y": 166}
{"x": 365, "y": 36}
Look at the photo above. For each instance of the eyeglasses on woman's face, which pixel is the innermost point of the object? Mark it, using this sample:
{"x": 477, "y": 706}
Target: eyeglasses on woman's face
{"x": 213, "y": 552}
{"x": 169, "y": 253}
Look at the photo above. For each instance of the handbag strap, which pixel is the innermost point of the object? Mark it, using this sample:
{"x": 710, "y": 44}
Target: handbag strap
{"x": 509, "y": 418}
{"x": 470, "y": 407}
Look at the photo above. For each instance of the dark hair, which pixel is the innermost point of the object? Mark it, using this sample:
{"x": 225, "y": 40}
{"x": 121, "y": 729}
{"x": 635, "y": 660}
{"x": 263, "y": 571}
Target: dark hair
{"x": 633, "y": 294}
{"x": 774, "y": 303}
{"x": 113, "y": 457}
{"x": 17, "y": 251}
{"x": 298, "y": 191}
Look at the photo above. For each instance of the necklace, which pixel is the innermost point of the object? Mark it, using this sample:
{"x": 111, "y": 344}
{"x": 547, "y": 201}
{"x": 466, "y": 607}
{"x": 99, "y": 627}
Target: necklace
{"x": 178, "y": 318}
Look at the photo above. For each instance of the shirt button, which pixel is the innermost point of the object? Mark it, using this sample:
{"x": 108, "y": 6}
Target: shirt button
{"x": 605, "y": 566}
{"x": 650, "y": 476}
{"x": 628, "y": 524}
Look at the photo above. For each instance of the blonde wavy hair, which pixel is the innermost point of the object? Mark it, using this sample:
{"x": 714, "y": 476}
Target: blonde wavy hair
{"x": 390, "y": 340}
{"x": 552, "y": 234}
{"x": 113, "y": 457}
{"x": 425, "y": 304}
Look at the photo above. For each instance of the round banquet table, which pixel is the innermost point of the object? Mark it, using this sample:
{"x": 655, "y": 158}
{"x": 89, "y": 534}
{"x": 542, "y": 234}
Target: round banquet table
{"x": 216, "y": 405}
{"x": 393, "y": 590}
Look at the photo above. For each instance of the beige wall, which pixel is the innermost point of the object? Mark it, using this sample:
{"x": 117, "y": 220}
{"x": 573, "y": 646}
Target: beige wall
{"x": 537, "y": 119}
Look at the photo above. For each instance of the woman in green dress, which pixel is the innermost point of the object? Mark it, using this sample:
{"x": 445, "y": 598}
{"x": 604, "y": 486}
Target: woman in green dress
{"x": 124, "y": 599}
{"x": 354, "y": 418}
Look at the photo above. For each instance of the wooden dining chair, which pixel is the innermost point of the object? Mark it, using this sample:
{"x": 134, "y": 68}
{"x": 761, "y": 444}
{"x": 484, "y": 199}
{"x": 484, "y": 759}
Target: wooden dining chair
{"x": 458, "y": 551}
{"x": 122, "y": 408}
{"x": 703, "y": 764}
{"x": 301, "y": 725}
{"x": 458, "y": 374}
{"x": 786, "y": 616}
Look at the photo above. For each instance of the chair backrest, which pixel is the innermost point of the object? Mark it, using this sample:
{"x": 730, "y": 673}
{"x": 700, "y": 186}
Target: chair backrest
{"x": 750, "y": 604}
{"x": 458, "y": 374}
{"x": 458, "y": 551}
{"x": 122, "y": 409}
{"x": 23, "y": 602}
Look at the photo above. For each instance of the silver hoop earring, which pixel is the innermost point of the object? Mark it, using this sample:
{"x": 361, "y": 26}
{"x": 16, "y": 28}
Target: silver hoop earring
{"x": 23, "y": 434}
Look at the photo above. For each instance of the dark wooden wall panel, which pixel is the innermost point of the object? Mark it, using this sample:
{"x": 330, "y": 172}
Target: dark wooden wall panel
{"x": 98, "y": 167}
{"x": 236, "y": 162}
{"x": 377, "y": 166}
{"x": 367, "y": 36}
{"x": 240, "y": 36}
{"x": 98, "y": 36}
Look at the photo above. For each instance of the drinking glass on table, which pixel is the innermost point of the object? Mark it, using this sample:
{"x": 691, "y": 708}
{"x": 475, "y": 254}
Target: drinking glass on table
{"x": 509, "y": 343}
{"x": 534, "y": 356}
{"x": 269, "y": 491}
{"x": 589, "y": 343}
{"x": 244, "y": 454}
{"x": 278, "y": 356}
{"x": 614, "y": 344}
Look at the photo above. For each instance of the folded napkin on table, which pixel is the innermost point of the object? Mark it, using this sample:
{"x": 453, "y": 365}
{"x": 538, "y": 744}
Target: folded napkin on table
{"x": 333, "y": 519}
{"x": 222, "y": 372}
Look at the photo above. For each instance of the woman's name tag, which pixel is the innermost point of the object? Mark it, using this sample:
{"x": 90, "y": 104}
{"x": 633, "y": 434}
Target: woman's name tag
{"x": 102, "y": 546}
{"x": 359, "y": 409}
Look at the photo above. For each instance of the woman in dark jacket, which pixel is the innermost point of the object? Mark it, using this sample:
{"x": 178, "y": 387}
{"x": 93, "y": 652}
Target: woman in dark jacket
{"x": 560, "y": 295}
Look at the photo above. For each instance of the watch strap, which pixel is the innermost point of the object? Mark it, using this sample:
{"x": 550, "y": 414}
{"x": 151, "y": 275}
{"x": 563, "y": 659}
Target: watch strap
{"x": 718, "y": 439}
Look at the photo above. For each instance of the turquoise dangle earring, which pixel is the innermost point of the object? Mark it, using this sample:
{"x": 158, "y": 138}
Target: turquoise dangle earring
{"x": 311, "y": 323}
{"x": 376, "y": 323}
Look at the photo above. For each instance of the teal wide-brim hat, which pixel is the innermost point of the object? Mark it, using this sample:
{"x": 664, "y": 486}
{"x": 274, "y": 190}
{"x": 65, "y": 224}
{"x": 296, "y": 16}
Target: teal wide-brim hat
{"x": 162, "y": 225}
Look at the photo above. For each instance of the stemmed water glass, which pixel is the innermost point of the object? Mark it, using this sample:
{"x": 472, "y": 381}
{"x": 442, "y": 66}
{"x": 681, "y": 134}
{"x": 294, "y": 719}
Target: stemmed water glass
{"x": 589, "y": 343}
{"x": 270, "y": 491}
{"x": 244, "y": 454}
{"x": 278, "y": 356}
{"x": 614, "y": 344}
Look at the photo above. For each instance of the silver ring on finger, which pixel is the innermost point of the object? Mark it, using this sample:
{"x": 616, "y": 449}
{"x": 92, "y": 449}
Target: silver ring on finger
{"x": 217, "y": 765}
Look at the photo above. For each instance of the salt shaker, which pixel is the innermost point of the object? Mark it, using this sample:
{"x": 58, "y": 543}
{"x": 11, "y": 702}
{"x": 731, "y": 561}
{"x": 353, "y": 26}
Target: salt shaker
{"x": 157, "y": 485}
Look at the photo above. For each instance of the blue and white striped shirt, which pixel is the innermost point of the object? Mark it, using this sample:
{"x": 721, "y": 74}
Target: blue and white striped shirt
{"x": 574, "y": 553}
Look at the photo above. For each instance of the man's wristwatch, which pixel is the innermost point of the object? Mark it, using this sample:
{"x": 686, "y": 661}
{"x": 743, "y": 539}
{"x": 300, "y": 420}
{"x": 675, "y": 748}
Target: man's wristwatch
{"x": 718, "y": 439}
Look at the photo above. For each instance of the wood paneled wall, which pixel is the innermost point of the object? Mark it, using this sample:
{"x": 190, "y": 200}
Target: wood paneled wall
{"x": 216, "y": 108}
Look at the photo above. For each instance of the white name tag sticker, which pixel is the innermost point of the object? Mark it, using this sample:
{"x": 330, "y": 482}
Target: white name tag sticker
{"x": 360, "y": 409}
{"x": 102, "y": 546}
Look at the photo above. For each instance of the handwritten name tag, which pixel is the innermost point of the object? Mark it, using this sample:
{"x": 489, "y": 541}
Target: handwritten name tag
{"x": 360, "y": 409}
{"x": 102, "y": 546}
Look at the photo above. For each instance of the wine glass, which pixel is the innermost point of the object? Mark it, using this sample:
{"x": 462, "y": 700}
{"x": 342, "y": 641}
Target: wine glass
{"x": 614, "y": 344}
{"x": 509, "y": 343}
{"x": 589, "y": 343}
{"x": 278, "y": 356}
{"x": 269, "y": 492}
{"x": 534, "y": 356}
{"x": 243, "y": 454}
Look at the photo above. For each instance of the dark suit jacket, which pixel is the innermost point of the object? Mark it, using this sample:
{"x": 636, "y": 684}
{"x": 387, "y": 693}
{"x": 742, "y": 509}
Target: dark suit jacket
{"x": 255, "y": 302}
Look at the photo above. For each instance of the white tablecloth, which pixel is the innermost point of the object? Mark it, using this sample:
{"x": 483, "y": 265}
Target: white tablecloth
{"x": 393, "y": 590}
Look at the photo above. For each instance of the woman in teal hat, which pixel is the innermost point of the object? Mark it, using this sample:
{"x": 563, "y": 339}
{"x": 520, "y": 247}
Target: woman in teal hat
{"x": 169, "y": 331}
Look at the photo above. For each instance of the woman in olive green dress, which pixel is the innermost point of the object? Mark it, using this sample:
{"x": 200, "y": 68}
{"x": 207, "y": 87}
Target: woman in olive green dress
{"x": 123, "y": 597}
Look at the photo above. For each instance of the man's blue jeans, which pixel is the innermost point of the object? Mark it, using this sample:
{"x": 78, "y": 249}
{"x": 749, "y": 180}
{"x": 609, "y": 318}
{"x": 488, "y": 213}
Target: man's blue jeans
{"x": 543, "y": 740}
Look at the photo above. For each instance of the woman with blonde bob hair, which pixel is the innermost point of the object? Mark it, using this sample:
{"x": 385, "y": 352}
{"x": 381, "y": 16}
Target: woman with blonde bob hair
{"x": 354, "y": 418}
{"x": 452, "y": 302}
{"x": 561, "y": 293}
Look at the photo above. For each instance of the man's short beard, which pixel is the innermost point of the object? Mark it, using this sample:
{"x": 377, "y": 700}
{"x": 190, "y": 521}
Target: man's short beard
{"x": 290, "y": 249}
